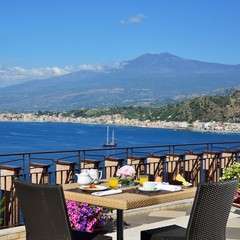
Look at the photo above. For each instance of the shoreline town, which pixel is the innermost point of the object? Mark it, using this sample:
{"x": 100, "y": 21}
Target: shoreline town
{"x": 117, "y": 119}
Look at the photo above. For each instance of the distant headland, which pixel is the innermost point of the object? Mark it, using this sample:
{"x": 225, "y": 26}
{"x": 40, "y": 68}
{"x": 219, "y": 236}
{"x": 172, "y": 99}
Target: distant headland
{"x": 219, "y": 113}
{"x": 117, "y": 119}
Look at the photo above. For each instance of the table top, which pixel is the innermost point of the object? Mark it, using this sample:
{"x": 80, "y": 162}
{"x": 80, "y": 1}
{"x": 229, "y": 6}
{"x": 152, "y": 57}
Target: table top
{"x": 130, "y": 198}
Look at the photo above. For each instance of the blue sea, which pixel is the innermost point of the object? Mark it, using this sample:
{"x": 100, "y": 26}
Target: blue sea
{"x": 28, "y": 137}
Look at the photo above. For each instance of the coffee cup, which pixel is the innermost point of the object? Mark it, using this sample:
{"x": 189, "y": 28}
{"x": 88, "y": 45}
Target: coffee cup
{"x": 95, "y": 174}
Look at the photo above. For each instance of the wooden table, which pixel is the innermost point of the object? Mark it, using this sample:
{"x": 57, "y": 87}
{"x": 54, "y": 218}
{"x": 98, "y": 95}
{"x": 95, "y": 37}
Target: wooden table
{"x": 130, "y": 199}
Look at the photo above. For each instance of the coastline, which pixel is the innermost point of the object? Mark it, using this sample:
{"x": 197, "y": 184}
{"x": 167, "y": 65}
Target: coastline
{"x": 215, "y": 127}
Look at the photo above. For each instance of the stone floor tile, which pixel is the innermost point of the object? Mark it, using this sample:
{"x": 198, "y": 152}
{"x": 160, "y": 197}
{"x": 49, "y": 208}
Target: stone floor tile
{"x": 140, "y": 219}
{"x": 167, "y": 214}
{"x": 234, "y": 222}
{"x": 233, "y": 233}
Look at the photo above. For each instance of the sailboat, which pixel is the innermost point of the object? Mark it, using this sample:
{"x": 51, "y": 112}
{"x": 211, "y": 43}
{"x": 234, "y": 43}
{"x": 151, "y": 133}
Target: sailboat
{"x": 112, "y": 142}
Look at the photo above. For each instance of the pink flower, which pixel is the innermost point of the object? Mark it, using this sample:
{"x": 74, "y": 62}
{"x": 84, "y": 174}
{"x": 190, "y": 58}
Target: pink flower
{"x": 126, "y": 171}
{"x": 91, "y": 225}
{"x": 84, "y": 217}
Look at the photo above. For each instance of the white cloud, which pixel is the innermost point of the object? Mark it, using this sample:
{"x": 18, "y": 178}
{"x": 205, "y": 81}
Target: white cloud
{"x": 90, "y": 67}
{"x": 136, "y": 19}
{"x": 17, "y": 74}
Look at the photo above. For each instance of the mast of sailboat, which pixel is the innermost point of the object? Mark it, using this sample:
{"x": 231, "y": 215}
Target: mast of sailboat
{"x": 113, "y": 137}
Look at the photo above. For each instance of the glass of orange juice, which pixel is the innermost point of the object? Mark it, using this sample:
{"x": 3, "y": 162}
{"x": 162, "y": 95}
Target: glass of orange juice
{"x": 143, "y": 179}
{"x": 113, "y": 182}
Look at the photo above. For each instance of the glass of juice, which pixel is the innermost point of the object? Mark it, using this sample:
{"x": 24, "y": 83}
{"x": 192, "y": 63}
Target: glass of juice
{"x": 143, "y": 179}
{"x": 113, "y": 182}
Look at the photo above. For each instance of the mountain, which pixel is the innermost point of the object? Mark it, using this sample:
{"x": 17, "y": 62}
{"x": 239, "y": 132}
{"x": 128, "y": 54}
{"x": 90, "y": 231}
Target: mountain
{"x": 149, "y": 78}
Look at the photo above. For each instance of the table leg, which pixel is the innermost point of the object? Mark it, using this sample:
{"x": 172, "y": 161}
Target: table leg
{"x": 119, "y": 224}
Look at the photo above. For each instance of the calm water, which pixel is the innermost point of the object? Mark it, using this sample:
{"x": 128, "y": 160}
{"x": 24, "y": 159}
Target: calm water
{"x": 19, "y": 137}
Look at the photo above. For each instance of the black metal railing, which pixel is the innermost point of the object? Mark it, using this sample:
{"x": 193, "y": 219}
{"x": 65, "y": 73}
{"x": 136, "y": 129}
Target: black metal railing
{"x": 198, "y": 163}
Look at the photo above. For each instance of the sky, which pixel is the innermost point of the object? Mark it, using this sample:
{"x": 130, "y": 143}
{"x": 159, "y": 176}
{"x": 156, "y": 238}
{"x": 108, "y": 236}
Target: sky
{"x": 54, "y": 37}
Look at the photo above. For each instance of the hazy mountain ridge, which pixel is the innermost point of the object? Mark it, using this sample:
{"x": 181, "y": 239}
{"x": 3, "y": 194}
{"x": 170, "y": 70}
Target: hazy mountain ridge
{"x": 144, "y": 80}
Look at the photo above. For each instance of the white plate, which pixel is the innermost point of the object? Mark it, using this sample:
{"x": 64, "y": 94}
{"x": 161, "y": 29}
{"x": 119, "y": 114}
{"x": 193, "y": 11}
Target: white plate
{"x": 97, "y": 188}
{"x": 148, "y": 190}
{"x": 188, "y": 185}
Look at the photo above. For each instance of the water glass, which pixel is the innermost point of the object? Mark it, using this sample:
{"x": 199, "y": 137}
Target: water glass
{"x": 143, "y": 179}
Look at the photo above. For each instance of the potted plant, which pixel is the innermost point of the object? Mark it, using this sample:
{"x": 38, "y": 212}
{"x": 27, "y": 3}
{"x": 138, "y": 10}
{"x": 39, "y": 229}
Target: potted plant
{"x": 230, "y": 173}
{"x": 86, "y": 218}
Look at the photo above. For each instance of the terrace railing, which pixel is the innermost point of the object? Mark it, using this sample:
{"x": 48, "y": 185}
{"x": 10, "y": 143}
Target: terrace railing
{"x": 196, "y": 162}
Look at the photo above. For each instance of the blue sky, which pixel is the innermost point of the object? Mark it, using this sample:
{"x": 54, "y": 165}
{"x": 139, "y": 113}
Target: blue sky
{"x": 71, "y": 32}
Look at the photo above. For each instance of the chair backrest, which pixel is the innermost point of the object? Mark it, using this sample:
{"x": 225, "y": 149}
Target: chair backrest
{"x": 210, "y": 211}
{"x": 44, "y": 211}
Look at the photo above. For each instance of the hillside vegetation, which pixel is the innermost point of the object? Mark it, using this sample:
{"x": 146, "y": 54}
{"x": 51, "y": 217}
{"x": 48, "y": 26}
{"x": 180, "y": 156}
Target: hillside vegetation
{"x": 225, "y": 108}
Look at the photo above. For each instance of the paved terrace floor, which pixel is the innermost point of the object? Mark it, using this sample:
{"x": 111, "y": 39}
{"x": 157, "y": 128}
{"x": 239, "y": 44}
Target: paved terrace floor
{"x": 167, "y": 215}
{"x": 146, "y": 218}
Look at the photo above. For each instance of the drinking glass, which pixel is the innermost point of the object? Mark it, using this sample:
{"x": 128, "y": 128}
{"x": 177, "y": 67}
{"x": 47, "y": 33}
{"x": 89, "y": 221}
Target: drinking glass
{"x": 143, "y": 179}
{"x": 113, "y": 182}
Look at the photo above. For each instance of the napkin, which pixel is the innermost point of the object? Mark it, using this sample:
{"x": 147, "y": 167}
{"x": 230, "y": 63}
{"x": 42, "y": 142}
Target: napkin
{"x": 168, "y": 187}
{"x": 181, "y": 179}
{"x": 107, "y": 192}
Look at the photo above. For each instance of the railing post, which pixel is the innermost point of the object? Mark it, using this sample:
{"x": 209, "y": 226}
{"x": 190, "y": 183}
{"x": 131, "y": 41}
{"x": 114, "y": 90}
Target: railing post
{"x": 169, "y": 149}
{"x": 78, "y": 168}
{"x": 165, "y": 169}
{"x": 127, "y": 156}
{"x": 26, "y": 169}
{"x": 52, "y": 172}
{"x": 202, "y": 171}
{"x": 23, "y": 167}
{"x": 84, "y": 155}
{"x": 238, "y": 157}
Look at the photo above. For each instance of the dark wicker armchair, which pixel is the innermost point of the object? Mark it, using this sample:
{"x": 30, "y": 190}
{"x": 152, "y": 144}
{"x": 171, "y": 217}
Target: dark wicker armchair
{"x": 45, "y": 214}
{"x": 208, "y": 217}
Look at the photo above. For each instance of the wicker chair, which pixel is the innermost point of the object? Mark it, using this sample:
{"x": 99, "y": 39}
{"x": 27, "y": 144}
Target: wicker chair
{"x": 45, "y": 213}
{"x": 208, "y": 219}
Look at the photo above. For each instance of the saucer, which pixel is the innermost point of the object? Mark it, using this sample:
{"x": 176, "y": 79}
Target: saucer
{"x": 148, "y": 190}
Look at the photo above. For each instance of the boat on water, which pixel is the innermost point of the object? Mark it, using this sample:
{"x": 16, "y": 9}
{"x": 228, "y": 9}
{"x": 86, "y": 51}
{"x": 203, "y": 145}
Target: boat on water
{"x": 110, "y": 142}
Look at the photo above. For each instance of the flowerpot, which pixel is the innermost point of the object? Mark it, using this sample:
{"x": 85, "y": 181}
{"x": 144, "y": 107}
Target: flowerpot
{"x": 106, "y": 228}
